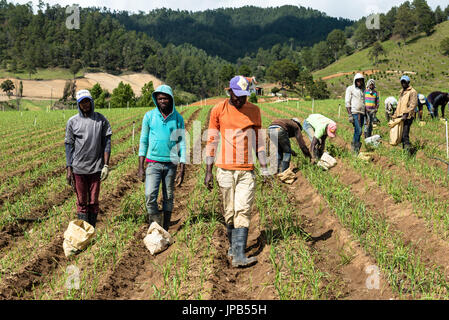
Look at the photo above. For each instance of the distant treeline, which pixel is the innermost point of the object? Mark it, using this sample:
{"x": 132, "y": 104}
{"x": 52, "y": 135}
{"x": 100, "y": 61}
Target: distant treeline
{"x": 196, "y": 52}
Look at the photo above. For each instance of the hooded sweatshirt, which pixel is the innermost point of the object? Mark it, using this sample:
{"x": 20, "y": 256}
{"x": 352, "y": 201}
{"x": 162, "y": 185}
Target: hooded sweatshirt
{"x": 87, "y": 138}
{"x": 163, "y": 140}
{"x": 355, "y": 97}
{"x": 371, "y": 97}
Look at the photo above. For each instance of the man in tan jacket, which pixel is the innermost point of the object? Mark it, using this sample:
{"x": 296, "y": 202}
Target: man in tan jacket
{"x": 408, "y": 101}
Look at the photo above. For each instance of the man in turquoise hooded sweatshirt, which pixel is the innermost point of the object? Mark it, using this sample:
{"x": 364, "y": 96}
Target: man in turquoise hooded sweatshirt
{"x": 162, "y": 147}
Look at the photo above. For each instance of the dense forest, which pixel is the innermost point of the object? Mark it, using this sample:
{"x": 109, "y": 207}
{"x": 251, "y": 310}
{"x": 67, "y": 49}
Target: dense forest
{"x": 230, "y": 33}
{"x": 198, "y": 52}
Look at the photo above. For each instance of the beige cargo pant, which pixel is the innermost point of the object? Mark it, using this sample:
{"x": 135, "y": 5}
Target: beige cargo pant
{"x": 238, "y": 189}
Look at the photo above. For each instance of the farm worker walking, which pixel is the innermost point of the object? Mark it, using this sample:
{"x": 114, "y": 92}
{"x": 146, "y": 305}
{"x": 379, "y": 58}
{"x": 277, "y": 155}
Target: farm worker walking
{"x": 408, "y": 101}
{"x": 355, "y": 105}
{"x": 437, "y": 99}
{"x": 371, "y": 105}
{"x": 162, "y": 147}
{"x": 422, "y": 100}
{"x": 88, "y": 149}
{"x": 280, "y": 131}
{"x": 239, "y": 124}
{"x": 390, "y": 107}
{"x": 318, "y": 128}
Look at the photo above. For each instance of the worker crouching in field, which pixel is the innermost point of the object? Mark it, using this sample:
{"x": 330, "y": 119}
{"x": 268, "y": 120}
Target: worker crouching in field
{"x": 390, "y": 107}
{"x": 162, "y": 146}
{"x": 422, "y": 100}
{"x": 355, "y": 105}
{"x": 280, "y": 131}
{"x": 318, "y": 128}
{"x": 408, "y": 101}
{"x": 438, "y": 99}
{"x": 239, "y": 124}
{"x": 88, "y": 148}
{"x": 371, "y": 105}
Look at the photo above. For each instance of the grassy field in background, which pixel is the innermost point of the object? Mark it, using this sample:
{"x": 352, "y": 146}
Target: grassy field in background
{"x": 421, "y": 54}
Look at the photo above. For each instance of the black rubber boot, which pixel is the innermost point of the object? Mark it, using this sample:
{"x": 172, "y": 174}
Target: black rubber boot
{"x": 229, "y": 229}
{"x": 83, "y": 216}
{"x": 158, "y": 218}
{"x": 239, "y": 238}
{"x": 92, "y": 219}
{"x": 353, "y": 151}
{"x": 285, "y": 165}
{"x": 167, "y": 217}
{"x": 358, "y": 146}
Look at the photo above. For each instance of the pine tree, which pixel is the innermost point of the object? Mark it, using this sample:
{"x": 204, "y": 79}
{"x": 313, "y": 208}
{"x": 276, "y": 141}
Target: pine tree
{"x": 440, "y": 15}
{"x": 376, "y": 51}
{"x": 424, "y": 16}
{"x": 405, "y": 21}
{"x": 336, "y": 40}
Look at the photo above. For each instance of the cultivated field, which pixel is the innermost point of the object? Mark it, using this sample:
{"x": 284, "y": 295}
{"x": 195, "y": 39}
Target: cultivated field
{"x": 324, "y": 237}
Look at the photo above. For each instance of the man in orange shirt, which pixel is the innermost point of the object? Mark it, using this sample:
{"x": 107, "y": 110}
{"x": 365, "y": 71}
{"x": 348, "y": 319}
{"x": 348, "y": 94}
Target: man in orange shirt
{"x": 239, "y": 124}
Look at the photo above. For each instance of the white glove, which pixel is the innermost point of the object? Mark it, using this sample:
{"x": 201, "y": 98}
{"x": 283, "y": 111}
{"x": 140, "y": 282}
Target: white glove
{"x": 104, "y": 172}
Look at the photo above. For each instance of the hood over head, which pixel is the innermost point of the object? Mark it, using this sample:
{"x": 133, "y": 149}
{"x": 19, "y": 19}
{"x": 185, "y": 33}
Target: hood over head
{"x": 359, "y": 76}
{"x": 84, "y": 94}
{"x": 163, "y": 89}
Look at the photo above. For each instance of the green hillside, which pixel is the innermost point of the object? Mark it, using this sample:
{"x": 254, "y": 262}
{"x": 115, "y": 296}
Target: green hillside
{"x": 421, "y": 54}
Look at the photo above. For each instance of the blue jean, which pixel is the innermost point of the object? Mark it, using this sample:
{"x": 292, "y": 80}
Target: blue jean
{"x": 358, "y": 125}
{"x": 284, "y": 148}
{"x": 308, "y": 129}
{"x": 156, "y": 173}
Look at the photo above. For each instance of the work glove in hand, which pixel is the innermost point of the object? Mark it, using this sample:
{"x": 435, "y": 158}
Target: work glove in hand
{"x": 104, "y": 172}
{"x": 351, "y": 119}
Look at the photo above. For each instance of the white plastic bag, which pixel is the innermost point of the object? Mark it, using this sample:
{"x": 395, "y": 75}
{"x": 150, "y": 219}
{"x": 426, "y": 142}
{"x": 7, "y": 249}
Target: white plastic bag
{"x": 373, "y": 141}
{"x": 157, "y": 239}
{"x": 77, "y": 237}
{"x": 327, "y": 161}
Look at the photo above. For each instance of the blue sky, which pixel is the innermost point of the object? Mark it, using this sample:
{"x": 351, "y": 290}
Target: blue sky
{"x": 352, "y": 9}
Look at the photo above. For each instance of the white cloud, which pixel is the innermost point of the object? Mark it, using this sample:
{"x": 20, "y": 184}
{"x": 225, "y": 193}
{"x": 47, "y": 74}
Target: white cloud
{"x": 352, "y": 9}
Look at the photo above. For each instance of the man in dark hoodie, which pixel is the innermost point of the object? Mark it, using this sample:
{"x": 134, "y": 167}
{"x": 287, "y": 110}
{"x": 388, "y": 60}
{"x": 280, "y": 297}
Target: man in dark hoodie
{"x": 88, "y": 149}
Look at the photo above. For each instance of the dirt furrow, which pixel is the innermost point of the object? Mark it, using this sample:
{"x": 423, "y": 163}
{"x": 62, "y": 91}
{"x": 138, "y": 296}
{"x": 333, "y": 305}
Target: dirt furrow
{"x": 133, "y": 276}
{"x": 14, "y": 231}
{"x": 50, "y": 256}
{"x": 413, "y": 229}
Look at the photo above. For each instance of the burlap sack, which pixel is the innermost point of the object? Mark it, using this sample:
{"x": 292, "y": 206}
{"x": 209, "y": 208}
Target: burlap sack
{"x": 366, "y": 156}
{"x": 288, "y": 176}
{"x": 77, "y": 237}
{"x": 396, "y": 127}
{"x": 157, "y": 239}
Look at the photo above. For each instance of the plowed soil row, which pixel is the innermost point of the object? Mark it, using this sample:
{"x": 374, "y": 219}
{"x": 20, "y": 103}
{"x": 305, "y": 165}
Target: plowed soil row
{"x": 15, "y": 230}
{"x": 331, "y": 240}
{"x": 47, "y": 258}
